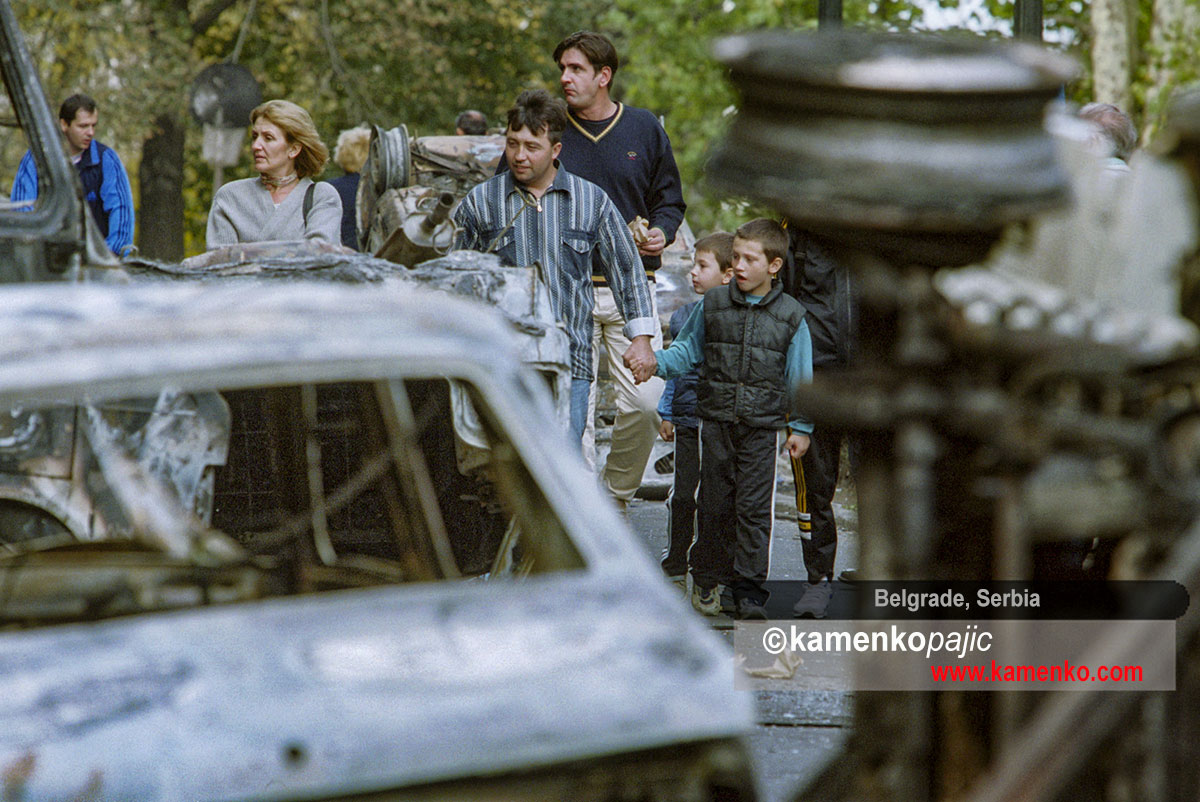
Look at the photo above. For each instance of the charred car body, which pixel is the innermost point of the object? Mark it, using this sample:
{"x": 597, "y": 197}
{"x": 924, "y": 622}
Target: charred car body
{"x": 208, "y": 669}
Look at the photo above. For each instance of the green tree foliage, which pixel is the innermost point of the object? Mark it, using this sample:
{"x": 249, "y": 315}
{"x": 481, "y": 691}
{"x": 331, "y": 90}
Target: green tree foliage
{"x": 1162, "y": 41}
{"x": 420, "y": 62}
{"x": 387, "y": 62}
{"x": 129, "y": 56}
{"x": 667, "y": 67}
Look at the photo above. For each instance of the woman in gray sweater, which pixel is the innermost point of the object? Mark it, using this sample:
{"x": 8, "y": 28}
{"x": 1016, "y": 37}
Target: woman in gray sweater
{"x": 287, "y": 152}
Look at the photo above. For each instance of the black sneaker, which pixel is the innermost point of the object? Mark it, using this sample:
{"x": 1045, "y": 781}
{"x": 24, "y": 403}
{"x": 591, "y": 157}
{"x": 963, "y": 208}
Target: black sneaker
{"x": 814, "y": 601}
{"x": 750, "y": 610}
{"x": 727, "y": 604}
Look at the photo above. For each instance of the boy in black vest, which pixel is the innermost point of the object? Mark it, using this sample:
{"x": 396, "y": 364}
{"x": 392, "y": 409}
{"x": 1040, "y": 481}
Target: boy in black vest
{"x": 751, "y": 344}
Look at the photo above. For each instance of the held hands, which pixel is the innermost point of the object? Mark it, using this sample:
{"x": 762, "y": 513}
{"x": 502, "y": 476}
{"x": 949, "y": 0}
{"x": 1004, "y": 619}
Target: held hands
{"x": 797, "y": 445}
{"x": 666, "y": 430}
{"x": 641, "y": 368}
{"x": 639, "y": 358}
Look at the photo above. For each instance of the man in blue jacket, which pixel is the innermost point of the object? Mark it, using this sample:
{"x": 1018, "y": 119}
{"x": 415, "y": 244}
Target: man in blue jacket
{"x": 105, "y": 184}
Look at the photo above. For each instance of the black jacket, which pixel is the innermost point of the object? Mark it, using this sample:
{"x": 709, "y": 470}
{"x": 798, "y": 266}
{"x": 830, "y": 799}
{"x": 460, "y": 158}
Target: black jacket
{"x": 824, "y": 288}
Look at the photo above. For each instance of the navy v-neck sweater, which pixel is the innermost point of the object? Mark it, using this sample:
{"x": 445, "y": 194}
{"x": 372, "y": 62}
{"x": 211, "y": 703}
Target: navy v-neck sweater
{"x": 629, "y": 156}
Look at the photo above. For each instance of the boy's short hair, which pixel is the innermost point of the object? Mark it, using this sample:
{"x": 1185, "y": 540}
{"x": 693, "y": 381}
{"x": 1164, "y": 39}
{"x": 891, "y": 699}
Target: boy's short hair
{"x": 538, "y": 110}
{"x": 720, "y": 245}
{"x": 767, "y": 233}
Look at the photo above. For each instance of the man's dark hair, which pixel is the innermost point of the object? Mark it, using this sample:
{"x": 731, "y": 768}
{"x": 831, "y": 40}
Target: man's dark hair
{"x": 596, "y": 47}
{"x": 471, "y": 122}
{"x": 538, "y": 110}
{"x": 66, "y": 112}
{"x": 720, "y": 245}
{"x": 767, "y": 233}
{"x": 1115, "y": 125}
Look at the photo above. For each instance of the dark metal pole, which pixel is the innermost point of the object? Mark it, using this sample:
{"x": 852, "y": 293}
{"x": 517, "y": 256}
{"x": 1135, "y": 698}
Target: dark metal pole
{"x": 829, "y": 14}
{"x": 1027, "y": 20}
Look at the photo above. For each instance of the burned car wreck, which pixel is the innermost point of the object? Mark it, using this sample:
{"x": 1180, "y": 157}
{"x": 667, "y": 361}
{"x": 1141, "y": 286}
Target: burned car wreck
{"x": 198, "y": 659}
{"x": 518, "y": 294}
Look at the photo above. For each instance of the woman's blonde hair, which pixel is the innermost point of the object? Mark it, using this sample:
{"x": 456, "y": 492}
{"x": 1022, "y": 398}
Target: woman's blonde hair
{"x": 351, "y": 151}
{"x": 298, "y": 127}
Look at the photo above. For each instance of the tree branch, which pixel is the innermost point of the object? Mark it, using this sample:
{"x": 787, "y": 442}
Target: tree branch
{"x": 209, "y": 15}
{"x": 339, "y": 65}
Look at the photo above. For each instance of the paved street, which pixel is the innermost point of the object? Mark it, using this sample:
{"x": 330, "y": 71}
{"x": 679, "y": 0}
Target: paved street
{"x": 798, "y": 731}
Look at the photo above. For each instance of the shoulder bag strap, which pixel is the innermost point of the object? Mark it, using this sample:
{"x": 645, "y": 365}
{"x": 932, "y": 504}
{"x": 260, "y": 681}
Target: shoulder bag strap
{"x": 308, "y": 202}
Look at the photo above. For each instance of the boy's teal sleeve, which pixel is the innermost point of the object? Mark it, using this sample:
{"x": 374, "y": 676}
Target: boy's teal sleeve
{"x": 667, "y": 399}
{"x": 687, "y": 350}
{"x": 799, "y": 371}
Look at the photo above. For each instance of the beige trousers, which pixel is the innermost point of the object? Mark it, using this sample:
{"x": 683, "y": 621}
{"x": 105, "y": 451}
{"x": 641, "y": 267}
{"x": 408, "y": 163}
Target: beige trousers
{"x": 637, "y": 417}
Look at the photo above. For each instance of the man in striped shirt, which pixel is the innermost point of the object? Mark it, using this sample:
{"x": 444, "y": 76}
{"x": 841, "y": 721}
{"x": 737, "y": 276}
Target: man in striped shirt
{"x": 538, "y": 212}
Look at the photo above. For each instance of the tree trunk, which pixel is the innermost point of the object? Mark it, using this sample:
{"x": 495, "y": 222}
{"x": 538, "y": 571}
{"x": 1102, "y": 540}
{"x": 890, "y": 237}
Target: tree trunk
{"x": 1110, "y": 53}
{"x": 160, "y": 181}
{"x": 1174, "y": 29}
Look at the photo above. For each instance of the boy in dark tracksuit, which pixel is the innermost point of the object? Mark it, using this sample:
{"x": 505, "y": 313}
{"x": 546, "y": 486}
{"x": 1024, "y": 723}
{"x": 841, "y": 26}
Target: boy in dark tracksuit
{"x": 712, "y": 267}
{"x": 751, "y": 344}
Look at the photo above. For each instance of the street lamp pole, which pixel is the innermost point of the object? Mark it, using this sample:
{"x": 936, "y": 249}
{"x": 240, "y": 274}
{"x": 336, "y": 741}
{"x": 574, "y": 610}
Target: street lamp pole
{"x": 829, "y": 14}
{"x": 1027, "y": 20}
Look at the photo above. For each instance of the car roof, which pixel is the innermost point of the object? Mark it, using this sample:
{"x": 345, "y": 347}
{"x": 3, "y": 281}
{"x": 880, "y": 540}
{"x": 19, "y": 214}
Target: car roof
{"x": 57, "y": 340}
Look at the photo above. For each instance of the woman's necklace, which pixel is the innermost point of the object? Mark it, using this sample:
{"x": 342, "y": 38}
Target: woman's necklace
{"x": 276, "y": 183}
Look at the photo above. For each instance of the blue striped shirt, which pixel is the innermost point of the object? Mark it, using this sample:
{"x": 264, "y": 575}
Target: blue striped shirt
{"x": 560, "y": 231}
{"x": 115, "y": 197}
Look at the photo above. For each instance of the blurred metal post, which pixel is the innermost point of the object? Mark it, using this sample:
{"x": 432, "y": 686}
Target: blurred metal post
{"x": 829, "y": 14}
{"x": 1027, "y": 20}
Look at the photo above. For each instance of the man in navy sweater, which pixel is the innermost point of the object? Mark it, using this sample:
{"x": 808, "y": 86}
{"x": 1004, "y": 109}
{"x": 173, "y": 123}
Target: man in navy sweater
{"x": 626, "y": 152}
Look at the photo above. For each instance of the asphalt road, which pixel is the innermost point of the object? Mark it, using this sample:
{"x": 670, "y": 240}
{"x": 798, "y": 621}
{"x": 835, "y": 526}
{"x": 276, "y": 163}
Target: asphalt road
{"x": 798, "y": 731}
